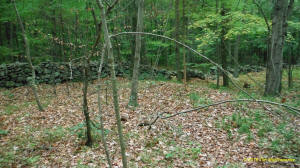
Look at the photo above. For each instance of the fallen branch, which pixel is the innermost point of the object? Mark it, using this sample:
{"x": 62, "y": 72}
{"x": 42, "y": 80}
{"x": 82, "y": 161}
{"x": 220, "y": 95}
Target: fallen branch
{"x": 160, "y": 115}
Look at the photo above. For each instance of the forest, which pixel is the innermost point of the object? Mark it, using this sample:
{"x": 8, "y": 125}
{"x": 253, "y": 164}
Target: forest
{"x": 150, "y": 83}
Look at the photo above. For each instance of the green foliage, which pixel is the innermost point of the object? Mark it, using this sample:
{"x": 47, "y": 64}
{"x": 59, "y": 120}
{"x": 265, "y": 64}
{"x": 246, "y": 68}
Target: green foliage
{"x": 180, "y": 153}
{"x": 204, "y": 67}
{"x": 51, "y": 40}
{"x": 284, "y": 139}
{"x": 33, "y": 160}
{"x": 197, "y": 100}
{"x": 80, "y": 131}
{"x": 160, "y": 77}
{"x": 3, "y": 133}
{"x": 7, "y": 158}
{"x": 232, "y": 165}
{"x": 54, "y": 135}
{"x": 10, "y": 109}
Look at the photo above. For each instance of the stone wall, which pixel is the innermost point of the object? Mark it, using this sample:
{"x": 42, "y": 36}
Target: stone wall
{"x": 18, "y": 74}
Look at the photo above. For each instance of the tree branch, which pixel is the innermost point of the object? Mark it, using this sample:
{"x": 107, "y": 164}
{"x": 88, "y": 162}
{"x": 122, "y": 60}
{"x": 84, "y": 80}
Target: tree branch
{"x": 100, "y": 24}
{"x": 160, "y": 115}
{"x": 265, "y": 17}
{"x": 227, "y": 73}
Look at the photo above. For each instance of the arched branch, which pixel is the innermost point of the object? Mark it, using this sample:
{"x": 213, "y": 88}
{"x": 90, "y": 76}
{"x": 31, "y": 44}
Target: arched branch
{"x": 194, "y": 51}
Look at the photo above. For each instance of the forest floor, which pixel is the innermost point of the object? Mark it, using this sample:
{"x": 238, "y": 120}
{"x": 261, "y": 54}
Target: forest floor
{"x": 227, "y": 135}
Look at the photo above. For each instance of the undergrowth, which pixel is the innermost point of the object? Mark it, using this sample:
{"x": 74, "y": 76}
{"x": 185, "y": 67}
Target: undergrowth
{"x": 279, "y": 137}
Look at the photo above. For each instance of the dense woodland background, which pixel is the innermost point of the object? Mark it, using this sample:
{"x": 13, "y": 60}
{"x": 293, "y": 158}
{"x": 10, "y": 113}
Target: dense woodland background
{"x": 229, "y": 68}
{"x": 64, "y": 30}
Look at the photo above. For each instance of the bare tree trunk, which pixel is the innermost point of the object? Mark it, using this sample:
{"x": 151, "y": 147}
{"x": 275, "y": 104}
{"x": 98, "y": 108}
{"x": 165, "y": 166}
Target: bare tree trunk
{"x": 114, "y": 83}
{"x": 290, "y": 68}
{"x": 1, "y": 36}
{"x": 218, "y": 49}
{"x": 236, "y": 57}
{"x": 103, "y": 139}
{"x": 134, "y": 85}
{"x": 222, "y": 47}
{"x": 27, "y": 52}
{"x": 133, "y": 21}
{"x": 89, "y": 141}
{"x": 274, "y": 65}
{"x": 63, "y": 43}
{"x": 184, "y": 28}
{"x": 290, "y": 56}
{"x": 177, "y": 33}
{"x": 54, "y": 55}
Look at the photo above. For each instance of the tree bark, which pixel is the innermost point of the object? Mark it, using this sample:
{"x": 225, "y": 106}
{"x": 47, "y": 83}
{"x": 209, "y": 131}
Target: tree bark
{"x": 134, "y": 85}
{"x": 27, "y": 52}
{"x": 290, "y": 68}
{"x": 114, "y": 83}
{"x": 89, "y": 141}
{"x": 274, "y": 65}
{"x": 177, "y": 33}
{"x": 236, "y": 57}
{"x": 103, "y": 139}
{"x": 184, "y": 32}
{"x": 217, "y": 49}
{"x": 223, "y": 49}
{"x": 1, "y": 36}
{"x": 133, "y": 20}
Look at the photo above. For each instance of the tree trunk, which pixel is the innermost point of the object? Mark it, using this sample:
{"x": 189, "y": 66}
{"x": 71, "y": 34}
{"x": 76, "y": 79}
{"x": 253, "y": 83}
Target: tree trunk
{"x": 274, "y": 65}
{"x": 11, "y": 35}
{"x": 290, "y": 68}
{"x": 184, "y": 28}
{"x": 7, "y": 32}
{"x": 1, "y": 36}
{"x": 177, "y": 33}
{"x": 133, "y": 17}
{"x": 223, "y": 50}
{"x": 89, "y": 141}
{"x": 134, "y": 85}
{"x": 114, "y": 83}
{"x": 27, "y": 52}
{"x": 62, "y": 29}
{"x": 236, "y": 57}
{"x": 217, "y": 49}
{"x": 103, "y": 139}
{"x": 54, "y": 55}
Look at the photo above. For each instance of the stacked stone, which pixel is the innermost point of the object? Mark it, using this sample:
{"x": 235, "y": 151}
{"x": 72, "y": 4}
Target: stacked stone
{"x": 19, "y": 74}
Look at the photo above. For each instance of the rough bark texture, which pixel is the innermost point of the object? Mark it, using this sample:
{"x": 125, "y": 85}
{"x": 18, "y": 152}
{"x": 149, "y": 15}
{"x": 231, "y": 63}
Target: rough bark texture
{"x": 28, "y": 56}
{"x": 89, "y": 141}
{"x": 223, "y": 50}
{"x": 236, "y": 57}
{"x": 217, "y": 49}
{"x": 184, "y": 32}
{"x": 290, "y": 69}
{"x": 103, "y": 138}
{"x": 134, "y": 85}
{"x": 177, "y": 33}
{"x": 274, "y": 65}
{"x": 114, "y": 83}
{"x": 133, "y": 20}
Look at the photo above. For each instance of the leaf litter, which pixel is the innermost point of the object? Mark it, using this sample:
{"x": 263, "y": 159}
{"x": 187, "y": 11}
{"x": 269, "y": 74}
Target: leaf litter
{"x": 188, "y": 140}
